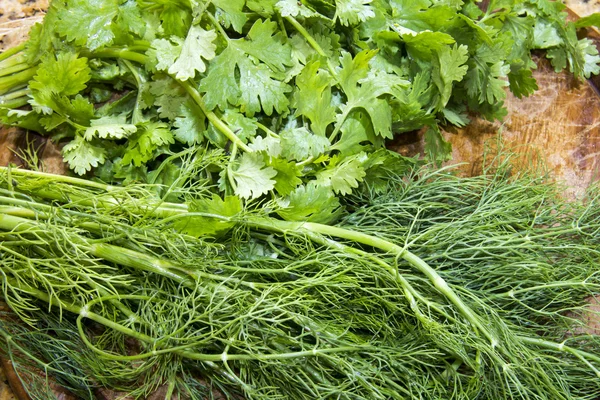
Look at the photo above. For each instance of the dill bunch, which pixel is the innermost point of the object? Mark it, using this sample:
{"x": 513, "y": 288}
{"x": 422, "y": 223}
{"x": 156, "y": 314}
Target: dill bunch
{"x": 429, "y": 286}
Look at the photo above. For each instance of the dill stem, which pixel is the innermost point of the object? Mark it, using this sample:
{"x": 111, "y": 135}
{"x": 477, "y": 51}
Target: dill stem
{"x": 439, "y": 283}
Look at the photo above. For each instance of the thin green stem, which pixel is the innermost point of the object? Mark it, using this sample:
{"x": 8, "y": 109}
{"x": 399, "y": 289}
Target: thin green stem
{"x": 9, "y": 83}
{"x": 213, "y": 118}
{"x": 313, "y": 43}
{"x": 562, "y": 347}
{"x": 12, "y": 51}
{"x": 439, "y": 283}
{"x": 13, "y": 69}
{"x": 124, "y": 54}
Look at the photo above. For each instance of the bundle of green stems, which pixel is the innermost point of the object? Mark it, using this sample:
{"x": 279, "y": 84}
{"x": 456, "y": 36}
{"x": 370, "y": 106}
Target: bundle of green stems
{"x": 436, "y": 287}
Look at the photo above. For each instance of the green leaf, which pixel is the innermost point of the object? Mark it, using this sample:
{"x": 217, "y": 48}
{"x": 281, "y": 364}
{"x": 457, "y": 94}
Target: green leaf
{"x": 110, "y": 127}
{"x": 424, "y": 44}
{"x": 589, "y": 20}
{"x": 311, "y": 203}
{"x": 143, "y": 145}
{"x": 357, "y": 130}
{"x": 198, "y": 45}
{"x": 198, "y": 225}
{"x": 351, "y": 12}
{"x": 293, "y": 8}
{"x": 299, "y": 144}
{"x": 269, "y": 47}
{"x": 190, "y": 125}
{"x": 436, "y": 148}
{"x": 313, "y": 98}
{"x": 448, "y": 67}
{"x": 220, "y": 86}
{"x": 342, "y": 175}
{"x": 252, "y": 178}
{"x": 230, "y": 13}
{"x": 288, "y": 175}
{"x": 88, "y": 22}
{"x": 65, "y": 75}
{"x": 82, "y": 155}
{"x": 163, "y": 53}
{"x": 244, "y": 127}
{"x": 260, "y": 90}
{"x": 522, "y": 83}
{"x": 270, "y": 145}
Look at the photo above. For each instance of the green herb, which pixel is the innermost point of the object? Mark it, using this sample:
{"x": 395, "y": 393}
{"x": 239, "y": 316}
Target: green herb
{"x": 306, "y": 86}
{"x": 435, "y": 287}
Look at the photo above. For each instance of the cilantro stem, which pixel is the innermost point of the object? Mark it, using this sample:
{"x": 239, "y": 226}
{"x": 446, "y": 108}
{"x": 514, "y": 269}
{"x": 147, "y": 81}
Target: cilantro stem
{"x": 8, "y": 83}
{"x": 266, "y": 130}
{"x": 212, "y": 117}
{"x": 313, "y": 43}
{"x": 13, "y": 69}
{"x": 125, "y": 54}
{"x": 12, "y": 51}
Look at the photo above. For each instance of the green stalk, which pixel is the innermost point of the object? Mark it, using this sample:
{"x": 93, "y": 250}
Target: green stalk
{"x": 313, "y": 43}
{"x": 125, "y": 54}
{"x": 309, "y": 228}
{"x": 562, "y": 347}
{"x": 212, "y": 117}
{"x": 13, "y": 69}
{"x": 12, "y": 51}
{"x": 8, "y": 83}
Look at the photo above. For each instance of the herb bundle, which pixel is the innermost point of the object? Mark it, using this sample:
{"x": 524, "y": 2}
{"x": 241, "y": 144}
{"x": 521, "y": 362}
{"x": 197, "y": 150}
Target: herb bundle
{"x": 437, "y": 287}
{"x": 242, "y": 221}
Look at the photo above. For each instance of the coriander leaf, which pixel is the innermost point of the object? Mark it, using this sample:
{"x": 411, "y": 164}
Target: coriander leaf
{"x": 146, "y": 141}
{"x": 65, "y": 75}
{"x": 299, "y": 144}
{"x": 589, "y": 20}
{"x": 244, "y": 127}
{"x": 313, "y": 98}
{"x": 109, "y": 127}
{"x": 293, "y": 8}
{"x": 252, "y": 178}
{"x": 448, "y": 67}
{"x": 545, "y": 35}
{"x": 88, "y": 22}
{"x": 589, "y": 53}
{"x": 356, "y": 131}
{"x": 423, "y": 44}
{"x": 190, "y": 124}
{"x": 351, "y": 12}
{"x": 260, "y": 90}
{"x": 436, "y": 148}
{"x": 220, "y": 86}
{"x": 342, "y": 175}
{"x": 288, "y": 175}
{"x": 168, "y": 96}
{"x": 271, "y": 145}
{"x": 269, "y": 47}
{"x": 198, "y": 225}
{"x": 522, "y": 83}
{"x": 82, "y": 155}
{"x": 310, "y": 203}
{"x": 230, "y": 13}
{"x": 163, "y": 53}
{"x": 197, "y": 45}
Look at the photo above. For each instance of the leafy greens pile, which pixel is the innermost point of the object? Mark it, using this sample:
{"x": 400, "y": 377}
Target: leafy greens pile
{"x": 435, "y": 287}
{"x": 295, "y": 92}
{"x": 243, "y": 228}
